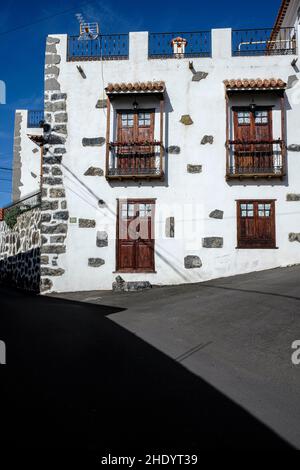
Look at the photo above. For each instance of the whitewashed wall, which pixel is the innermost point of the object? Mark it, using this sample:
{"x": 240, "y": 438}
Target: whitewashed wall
{"x": 292, "y": 17}
{"x": 27, "y": 158}
{"x": 188, "y": 197}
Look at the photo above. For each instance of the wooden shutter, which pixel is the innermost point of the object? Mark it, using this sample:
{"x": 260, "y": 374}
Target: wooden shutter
{"x": 125, "y": 126}
{"x": 243, "y": 134}
{"x": 145, "y": 133}
{"x": 255, "y": 127}
{"x": 256, "y": 224}
{"x": 125, "y": 133}
{"x": 263, "y": 132}
{"x": 135, "y": 126}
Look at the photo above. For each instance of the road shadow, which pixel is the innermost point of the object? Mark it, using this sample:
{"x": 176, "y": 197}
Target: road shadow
{"x": 249, "y": 291}
{"x": 78, "y": 382}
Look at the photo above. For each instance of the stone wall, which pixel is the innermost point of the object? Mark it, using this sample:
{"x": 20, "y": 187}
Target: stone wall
{"x": 54, "y": 218}
{"x": 20, "y": 251}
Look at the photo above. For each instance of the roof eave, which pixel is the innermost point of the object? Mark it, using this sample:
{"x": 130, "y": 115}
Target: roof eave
{"x": 281, "y": 15}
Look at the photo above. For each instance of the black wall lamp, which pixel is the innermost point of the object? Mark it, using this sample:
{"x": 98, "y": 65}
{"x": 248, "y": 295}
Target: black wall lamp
{"x": 135, "y": 104}
{"x": 252, "y": 106}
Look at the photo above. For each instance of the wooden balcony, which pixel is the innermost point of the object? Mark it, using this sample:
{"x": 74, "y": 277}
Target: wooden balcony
{"x": 255, "y": 159}
{"x": 135, "y": 160}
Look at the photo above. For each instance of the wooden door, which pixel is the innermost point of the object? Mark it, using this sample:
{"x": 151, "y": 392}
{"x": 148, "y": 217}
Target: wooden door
{"x": 242, "y": 134}
{"x": 246, "y": 223}
{"x": 265, "y": 223}
{"x": 263, "y": 132}
{"x": 125, "y": 135}
{"x": 254, "y": 149}
{"x": 135, "y": 235}
{"x": 256, "y": 224}
{"x": 135, "y": 127}
{"x": 145, "y": 133}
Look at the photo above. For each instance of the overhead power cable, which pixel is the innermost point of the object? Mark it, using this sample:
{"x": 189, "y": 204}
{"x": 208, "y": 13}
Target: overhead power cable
{"x": 46, "y": 18}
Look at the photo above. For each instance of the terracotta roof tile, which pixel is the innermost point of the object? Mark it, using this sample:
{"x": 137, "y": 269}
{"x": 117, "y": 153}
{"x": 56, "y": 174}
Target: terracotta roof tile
{"x": 147, "y": 87}
{"x": 258, "y": 83}
{"x": 179, "y": 39}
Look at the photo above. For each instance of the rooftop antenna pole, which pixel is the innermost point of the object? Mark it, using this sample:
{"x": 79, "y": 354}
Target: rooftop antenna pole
{"x": 87, "y": 30}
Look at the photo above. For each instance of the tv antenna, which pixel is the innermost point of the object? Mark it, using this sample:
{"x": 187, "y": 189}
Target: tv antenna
{"x": 87, "y": 30}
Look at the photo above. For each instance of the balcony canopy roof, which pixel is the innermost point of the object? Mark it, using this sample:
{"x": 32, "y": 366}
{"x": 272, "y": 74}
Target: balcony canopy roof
{"x": 135, "y": 88}
{"x": 258, "y": 84}
{"x": 37, "y": 139}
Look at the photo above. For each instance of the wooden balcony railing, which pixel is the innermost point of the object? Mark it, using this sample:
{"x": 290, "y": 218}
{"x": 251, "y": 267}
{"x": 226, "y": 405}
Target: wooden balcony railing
{"x": 251, "y": 158}
{"x": 135, "y": 160}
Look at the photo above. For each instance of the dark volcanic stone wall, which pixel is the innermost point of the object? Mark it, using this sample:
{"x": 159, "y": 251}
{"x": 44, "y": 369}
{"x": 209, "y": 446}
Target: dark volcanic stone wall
{"x": 20, "y": 252}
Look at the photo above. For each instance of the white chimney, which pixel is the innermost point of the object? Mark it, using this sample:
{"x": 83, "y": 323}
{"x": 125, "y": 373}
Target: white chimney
{"x": 178, "y": 45}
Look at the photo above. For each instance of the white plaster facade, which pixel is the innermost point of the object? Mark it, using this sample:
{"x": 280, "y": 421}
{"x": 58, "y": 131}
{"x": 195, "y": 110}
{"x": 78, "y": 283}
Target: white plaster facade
{"x": 188, "y": 197}
{"x": 292, "y": 16}
{"x": 27, "y": 158}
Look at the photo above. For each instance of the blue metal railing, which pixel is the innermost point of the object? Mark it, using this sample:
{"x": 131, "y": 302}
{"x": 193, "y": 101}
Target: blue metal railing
{"x": 198, "y": 44}
{"x": 34, "y": 118}
{"x": 105, "y": 47}
{"x": 257, "y": 42}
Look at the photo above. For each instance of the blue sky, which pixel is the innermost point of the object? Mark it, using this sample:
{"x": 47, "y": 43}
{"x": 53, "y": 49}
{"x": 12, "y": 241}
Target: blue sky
{"x": 22, "y": 50}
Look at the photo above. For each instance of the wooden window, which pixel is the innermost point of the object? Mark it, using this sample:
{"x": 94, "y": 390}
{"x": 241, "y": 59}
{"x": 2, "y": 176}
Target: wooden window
{"x": 135, "y": 126}
{"x": 261, "y": 117}
{"x": 127, "y": 119}
{"x": 253, "y": 126}
{"x": 145, "y": 210}
{"x": 144, "y": 119}
{"x": 264, "y": 210}
{"x": 127, "y": 210}
{"x": 247, "y": 210}
{"x": 243, "y": 118}
{"x": 135, "y": 235}
{"x": 256, "y": 224}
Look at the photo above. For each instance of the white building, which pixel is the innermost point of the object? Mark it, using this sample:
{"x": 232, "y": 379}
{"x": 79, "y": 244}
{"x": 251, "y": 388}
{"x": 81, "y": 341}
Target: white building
{"x": 27, "y": 161}
{"x": 289, "y": 14}
{"x": 170, "y": 158}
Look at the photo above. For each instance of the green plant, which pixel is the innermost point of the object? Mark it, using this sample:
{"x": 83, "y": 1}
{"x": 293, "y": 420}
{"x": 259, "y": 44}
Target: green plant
{"x": 11, "y": 216}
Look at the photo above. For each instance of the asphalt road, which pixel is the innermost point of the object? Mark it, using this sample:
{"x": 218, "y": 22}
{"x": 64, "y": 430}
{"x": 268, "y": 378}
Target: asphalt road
{"x": 181, "y": 369}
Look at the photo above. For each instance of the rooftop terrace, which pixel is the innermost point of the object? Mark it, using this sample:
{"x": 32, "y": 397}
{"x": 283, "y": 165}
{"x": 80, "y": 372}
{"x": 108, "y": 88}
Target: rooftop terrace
{"x": 178, "y": 44}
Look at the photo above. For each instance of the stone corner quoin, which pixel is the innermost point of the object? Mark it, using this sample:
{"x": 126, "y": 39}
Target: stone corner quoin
{"x": 54, "y": 215}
